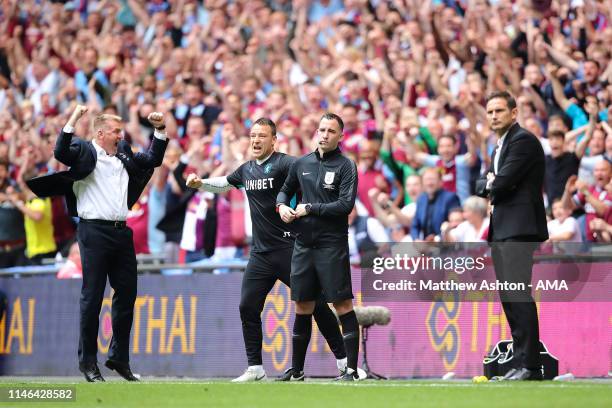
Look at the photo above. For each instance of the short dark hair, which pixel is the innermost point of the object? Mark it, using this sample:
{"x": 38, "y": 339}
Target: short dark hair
{"x": 333, "y": 116}
{"x": 348, "y": 23}
{"x": 594, "y": 62}
{"x": 448, "y": 136}
{"x": 197, "y": 82}
{"x": 266, "y": 122}
{"x": 505, "y": 95}
{"x": 252, "y": 78}
{"x": 562, "y": 117}
{"x": 556, "y": 134}
{"x": 351, "y": 106}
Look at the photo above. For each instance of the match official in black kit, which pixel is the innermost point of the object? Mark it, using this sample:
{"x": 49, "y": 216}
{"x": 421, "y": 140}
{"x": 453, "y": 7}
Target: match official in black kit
{"x": 273, "y": 240}
{"x": 320, "y": 262}
{"x": 104, "y": 181}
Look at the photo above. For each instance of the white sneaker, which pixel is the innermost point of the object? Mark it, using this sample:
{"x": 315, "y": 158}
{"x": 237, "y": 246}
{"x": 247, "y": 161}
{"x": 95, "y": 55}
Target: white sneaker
{"x": 341, "y": 364}
{"x": 253, "y": 373}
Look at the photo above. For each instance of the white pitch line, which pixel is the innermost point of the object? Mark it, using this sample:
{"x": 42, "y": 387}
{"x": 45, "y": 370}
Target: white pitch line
{"x": 371, "y": 385}
{"x": 407, "y": 384}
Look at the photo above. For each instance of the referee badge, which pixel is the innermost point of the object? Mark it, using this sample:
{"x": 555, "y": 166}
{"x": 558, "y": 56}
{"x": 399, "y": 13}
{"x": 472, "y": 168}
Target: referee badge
{"x": 329, "y": 177}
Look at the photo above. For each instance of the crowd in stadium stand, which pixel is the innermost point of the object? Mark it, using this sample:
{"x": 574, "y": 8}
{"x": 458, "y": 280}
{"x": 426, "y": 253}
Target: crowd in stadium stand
{"x": 408, "y": 77}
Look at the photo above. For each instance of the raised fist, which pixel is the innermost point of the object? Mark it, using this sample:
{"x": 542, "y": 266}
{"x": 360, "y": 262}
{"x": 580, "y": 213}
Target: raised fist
{"x": 79, "y": 111}
{"x": 193, "y": 181}
{"x": 156, "y": 119}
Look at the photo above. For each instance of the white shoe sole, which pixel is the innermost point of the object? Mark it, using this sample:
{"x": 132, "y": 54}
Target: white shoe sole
{"x": 360, "y": 373}
{"x": 238, "y": 380}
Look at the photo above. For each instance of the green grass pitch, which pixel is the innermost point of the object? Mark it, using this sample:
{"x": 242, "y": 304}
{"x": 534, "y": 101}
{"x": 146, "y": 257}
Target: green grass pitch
{"x": 317, "y": 393}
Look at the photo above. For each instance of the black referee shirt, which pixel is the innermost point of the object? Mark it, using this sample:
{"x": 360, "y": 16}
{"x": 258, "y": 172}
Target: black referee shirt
{"x": 262, "y": 183}
{"x": 329, "y": 183}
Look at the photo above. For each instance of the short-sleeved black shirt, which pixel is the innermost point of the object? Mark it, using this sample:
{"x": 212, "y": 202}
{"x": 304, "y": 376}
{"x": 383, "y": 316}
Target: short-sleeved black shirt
{"x": 262, "y": 183}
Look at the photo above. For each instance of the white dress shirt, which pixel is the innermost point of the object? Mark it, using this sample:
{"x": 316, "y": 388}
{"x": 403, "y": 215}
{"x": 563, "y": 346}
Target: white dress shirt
{"x": 102, "y": 195}
{"x": 500, "y": 143}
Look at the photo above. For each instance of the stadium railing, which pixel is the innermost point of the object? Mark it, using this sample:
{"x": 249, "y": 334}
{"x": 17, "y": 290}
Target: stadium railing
{"x": 201, "y": 266}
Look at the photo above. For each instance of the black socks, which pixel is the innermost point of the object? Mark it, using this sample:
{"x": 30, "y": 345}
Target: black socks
{"x": 328, "y": 326}
{"x": 350, "y": 334}
{"x": 302, "y": 329}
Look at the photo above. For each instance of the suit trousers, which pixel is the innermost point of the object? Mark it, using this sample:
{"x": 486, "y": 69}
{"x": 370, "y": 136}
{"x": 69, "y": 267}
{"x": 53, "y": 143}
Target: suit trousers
{"x": 513, "y": 262}
{"x": 106, "y": 251}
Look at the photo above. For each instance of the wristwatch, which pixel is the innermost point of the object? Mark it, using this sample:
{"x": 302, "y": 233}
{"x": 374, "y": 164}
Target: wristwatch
{"x": 308, "y": 207}
{"x": 162, "y": 127}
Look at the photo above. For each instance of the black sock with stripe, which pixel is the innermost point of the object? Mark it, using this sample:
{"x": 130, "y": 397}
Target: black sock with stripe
{"x": 350, "y": 334}
{"x": 302, "y": 329}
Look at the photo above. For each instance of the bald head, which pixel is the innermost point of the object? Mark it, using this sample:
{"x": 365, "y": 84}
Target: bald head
{"x": 602, "y": 172}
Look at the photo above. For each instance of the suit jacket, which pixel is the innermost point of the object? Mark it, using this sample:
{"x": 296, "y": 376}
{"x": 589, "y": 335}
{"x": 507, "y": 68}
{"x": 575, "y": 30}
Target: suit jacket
{"x": 516, "y": 193}
{"x": 443, "y": 203}
{"x": 81, "y": 156}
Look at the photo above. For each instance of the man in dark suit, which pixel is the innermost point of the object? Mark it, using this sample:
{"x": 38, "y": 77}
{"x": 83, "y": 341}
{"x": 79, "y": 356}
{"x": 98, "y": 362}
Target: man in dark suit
{"x": 518, "y": 224}
{"x": 432, "y": 207}
{"x": 104, "y": 181}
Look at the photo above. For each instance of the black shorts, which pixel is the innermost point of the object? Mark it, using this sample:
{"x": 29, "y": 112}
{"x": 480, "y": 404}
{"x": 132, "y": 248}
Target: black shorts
{"x": 320, "y": 270}
{"x": 262, "y": 271}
